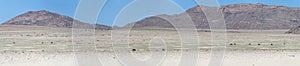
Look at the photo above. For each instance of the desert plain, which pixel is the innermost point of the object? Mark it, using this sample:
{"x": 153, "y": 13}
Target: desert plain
{"x": 43, "y": 46}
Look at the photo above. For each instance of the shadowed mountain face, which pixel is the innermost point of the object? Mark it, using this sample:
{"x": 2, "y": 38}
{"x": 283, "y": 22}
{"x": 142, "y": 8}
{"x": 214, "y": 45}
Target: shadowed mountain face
{"x": 49, "y": 19}
{"x": 238, "y": 16}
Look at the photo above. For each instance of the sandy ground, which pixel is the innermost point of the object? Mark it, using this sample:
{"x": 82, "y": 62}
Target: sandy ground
{"x": 52, "y": 48}
{"x": 172, "y": 58}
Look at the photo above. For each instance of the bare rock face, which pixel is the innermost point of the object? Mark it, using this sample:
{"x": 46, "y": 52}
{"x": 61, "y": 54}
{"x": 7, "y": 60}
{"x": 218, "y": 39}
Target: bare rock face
{"x": 294, "y": 30}
{"x": 237, "y": 16}
{"x": 49, "y": 19}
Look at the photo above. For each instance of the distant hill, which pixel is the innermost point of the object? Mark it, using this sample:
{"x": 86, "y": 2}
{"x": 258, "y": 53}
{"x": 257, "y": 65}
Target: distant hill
{"x": 237, "y": 16}
{"x": 295, "y": 30}
{"x": 49, "y": 19}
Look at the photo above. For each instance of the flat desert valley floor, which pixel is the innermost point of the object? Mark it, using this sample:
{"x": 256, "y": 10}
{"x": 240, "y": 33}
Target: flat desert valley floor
{"x": 54, "y": 47}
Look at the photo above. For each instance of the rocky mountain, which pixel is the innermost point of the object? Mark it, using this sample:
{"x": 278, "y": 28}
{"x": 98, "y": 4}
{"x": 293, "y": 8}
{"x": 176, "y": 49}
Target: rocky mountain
{"x": 49, "y": 19}
{"x": 295, "y": 30}
{"x": 237, "y": 16}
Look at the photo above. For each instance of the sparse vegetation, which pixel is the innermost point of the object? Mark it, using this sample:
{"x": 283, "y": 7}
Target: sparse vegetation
{"x": 140, "y": 38}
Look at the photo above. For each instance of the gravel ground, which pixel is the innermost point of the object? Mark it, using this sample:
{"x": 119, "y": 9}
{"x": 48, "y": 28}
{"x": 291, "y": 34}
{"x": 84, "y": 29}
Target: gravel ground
{"x": 171, "y": 58}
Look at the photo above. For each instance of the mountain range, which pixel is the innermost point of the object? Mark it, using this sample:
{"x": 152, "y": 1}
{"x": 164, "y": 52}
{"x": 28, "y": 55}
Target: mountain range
{"x": 237, "y": 16}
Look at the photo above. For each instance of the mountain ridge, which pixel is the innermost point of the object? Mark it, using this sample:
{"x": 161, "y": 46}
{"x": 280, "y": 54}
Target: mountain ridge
{"x": 237, "y": 16}
{"x": 50, "y": 19}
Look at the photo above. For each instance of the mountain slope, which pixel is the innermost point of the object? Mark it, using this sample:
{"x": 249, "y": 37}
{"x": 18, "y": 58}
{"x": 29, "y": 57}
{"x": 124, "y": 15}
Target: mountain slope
{"x": 237, "y": 16}
{"x": 295, "y": 30}
{"x": 49, "y": 19}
